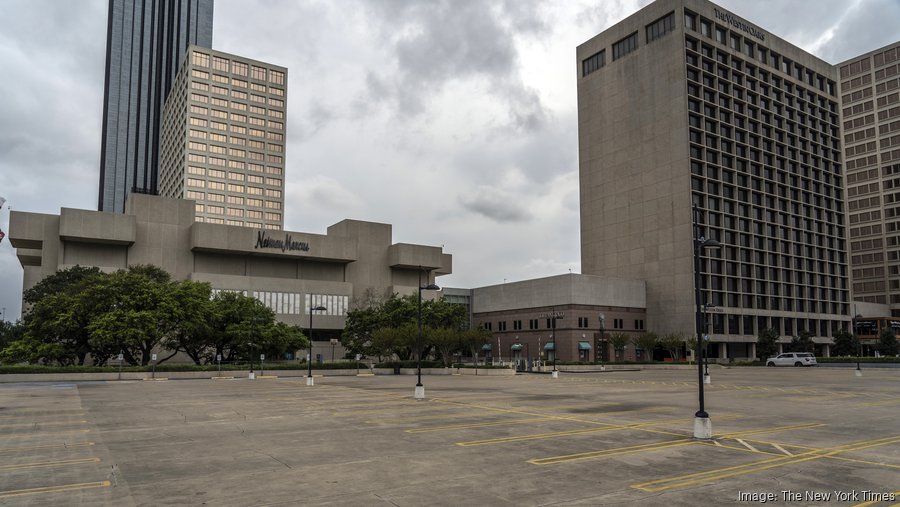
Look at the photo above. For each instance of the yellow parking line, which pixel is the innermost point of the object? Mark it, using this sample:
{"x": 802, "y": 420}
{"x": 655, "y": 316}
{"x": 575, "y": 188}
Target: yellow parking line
{"x": 841, "y": 458}
{"x": 877, "y": 403}
{"x": 555, "y": 434}
{"x": 38, "y": 447}
{"x": 771, "y": 430}
{"x": 463, "y": 415}
{"x": 43, "y": 464}
{"x": 711, "y": 475}
{"x": 42, "y": 434}
{"x": 476, "y": 425}
{"x": 611, "y": 452}
{"x": 33, "y": 424}
{"x": 54, "y": 489}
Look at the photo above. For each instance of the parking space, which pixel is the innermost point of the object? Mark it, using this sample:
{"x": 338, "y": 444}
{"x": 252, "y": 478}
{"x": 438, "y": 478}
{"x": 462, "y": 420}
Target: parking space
{"x": 582, "y": 439}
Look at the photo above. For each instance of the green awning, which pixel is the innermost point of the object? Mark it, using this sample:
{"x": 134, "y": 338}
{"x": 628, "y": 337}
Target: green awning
{"x": 486, "y": 346}
{"x": 550, "y": 346}
{"x": 517, "y": 346}
{"x": 584, "y": 346}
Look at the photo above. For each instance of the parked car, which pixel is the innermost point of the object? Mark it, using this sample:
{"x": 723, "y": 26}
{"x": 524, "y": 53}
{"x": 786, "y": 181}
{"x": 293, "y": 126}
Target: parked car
{"x": 792, "y": 359}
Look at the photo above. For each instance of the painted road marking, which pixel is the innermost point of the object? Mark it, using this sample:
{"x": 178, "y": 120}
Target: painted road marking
{"x": 33, "y": 424}
{"x": 42, "y": 434}
{"x": 54, "y": 489}
{"x": 745, "y": 444}
{"x": 611, "y": 452}
{"x": 476, "y": 425}
{"x": 782, "y": 449}
{"x": 766, "y": 464}
{"x": 44, "y": 464}
{"x": 556, "y": 434}
{"x": 771, "y": 430}
{"x": 38, "y": 447}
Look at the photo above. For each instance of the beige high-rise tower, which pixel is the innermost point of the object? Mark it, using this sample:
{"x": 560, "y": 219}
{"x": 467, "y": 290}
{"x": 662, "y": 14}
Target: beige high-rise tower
{"x": 870, "y": 100}
{"x": 222, "y": 142}
{"x": 685, "y": 103}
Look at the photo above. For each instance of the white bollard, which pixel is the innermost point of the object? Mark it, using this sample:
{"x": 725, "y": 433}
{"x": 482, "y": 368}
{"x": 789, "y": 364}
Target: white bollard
{"x": 702, "y": 428}
{"x": 251, "y": 376}
{"x": 707, "y": 379}
{"x": 309, "y": 381}
{"x": 420, "y": 393}
{"x": 554, "y": 374}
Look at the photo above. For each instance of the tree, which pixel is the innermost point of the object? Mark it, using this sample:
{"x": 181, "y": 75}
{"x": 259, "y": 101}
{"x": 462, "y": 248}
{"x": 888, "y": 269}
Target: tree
{"x": 619, "y": 341}
{"x": 239, "y": 325}
{"x": 803, "y": 343}
{"x": 395, "y": 312}
{"x": 193, "y": 318}
{"x": 887, "y": 343}
{"x": 10, "y": 332}
{"x": 647, "y": 341}
{"x": 673, "y": 343}
{"x": 139, "y": 316}
{"x": 766, "y": 344}
{"x": 845, "y": 344}
{"x": 399, "y": 341}
{"x": 56, "y": 324}
{"x": 446, "y": 341}
{"x": 476, "y": 338}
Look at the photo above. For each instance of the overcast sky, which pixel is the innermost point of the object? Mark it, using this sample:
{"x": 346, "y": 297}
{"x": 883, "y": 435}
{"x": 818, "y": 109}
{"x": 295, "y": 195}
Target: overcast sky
{"x": 453, "y": 120}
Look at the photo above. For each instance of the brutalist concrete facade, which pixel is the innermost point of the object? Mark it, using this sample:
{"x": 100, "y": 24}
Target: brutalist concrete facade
{"x": 284, "y": 269}
{"x": 870, "y": 116}
{"x": 686, "y": 103}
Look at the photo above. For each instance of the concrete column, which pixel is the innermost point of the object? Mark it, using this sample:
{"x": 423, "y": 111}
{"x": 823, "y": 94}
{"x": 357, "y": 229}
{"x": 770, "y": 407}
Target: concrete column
{"x": 780, "y": 347}
{"x": 723, "y": 350}
{"x": 753, "y": 351}
{"x": 826, "y": 350}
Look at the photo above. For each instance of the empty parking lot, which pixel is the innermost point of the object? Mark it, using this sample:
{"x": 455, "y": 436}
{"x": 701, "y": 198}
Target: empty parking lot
{"x": 582, "y": 439}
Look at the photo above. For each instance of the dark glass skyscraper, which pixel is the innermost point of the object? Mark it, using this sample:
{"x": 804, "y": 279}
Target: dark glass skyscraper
{"x": 145, "y": 44}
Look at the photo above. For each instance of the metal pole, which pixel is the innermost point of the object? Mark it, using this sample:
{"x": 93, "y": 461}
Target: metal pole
{"x": 699, "y": 316}
{"x": 309, "y": 355}
{"x": 419, "y": 336}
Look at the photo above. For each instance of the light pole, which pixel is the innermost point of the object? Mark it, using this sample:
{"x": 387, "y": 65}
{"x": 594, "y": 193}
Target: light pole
{"x": 420, "y": 389}
{"x": 602, "y": 341}
{"x": 320, "y": 308}
{"x": 702, "y": 425}
{"x": 555, "y": 372}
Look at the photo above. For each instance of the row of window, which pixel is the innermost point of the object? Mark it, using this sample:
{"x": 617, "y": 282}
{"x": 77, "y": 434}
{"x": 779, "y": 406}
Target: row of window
{"x": 583, "y": 323}
{"x": 240, "y": 83}
{"x": 252, "y": 155}
{"x": 238, "y": 223}
{"x": 751, "y": 325}
{"x": 204, "y": 87}
{"x": 757, "y": 52}
{"x": 202, "y": 84}
{"x": 220, "y": 63}
{"x": 232, "y": 199}
{"x": 653, "y": 31}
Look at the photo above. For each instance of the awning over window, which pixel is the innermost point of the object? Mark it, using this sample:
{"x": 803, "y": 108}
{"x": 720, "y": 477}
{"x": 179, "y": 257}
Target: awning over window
{"x": 516, "y": 346}
{"x": 584, "y": 346}
{"x": 486, "y": 347}
{"x": 550, "y": 346}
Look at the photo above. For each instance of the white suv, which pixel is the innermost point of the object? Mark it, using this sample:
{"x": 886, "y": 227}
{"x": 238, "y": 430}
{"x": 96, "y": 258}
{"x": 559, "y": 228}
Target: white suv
{"x": 792, "y": 359}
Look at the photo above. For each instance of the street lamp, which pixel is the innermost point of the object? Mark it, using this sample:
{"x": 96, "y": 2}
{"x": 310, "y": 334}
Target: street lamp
{"x": 555, "y": 372}
{"x": 320, "y": 308}
{"x": 702, "y": 425}
{"x": 420, "y": 389}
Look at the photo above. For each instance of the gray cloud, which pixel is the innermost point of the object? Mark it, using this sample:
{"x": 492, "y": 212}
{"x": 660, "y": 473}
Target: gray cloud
{"x": 496, "y": 205}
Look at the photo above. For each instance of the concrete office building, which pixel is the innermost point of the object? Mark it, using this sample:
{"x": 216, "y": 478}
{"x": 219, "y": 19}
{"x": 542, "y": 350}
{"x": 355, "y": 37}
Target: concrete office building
{"x": 870, "y": 109}
{"x": 223, "y": 139}
{"x": 521, "y": 316}
{"x": 682, "y": 104}
{"x": 145, "y": 45}
{"x": 283, "y": 269}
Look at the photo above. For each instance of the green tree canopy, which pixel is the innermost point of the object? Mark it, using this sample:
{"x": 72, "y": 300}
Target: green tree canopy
{"x": 673, "y": 343}
{"x": 803, "y": 342}
{"x": 647, "y": 341}
{"x": 766, "y": 344}
{"x": 619, "y": 341}
{"x": 887, "y": 343}
{"x": 845, "y": 344}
